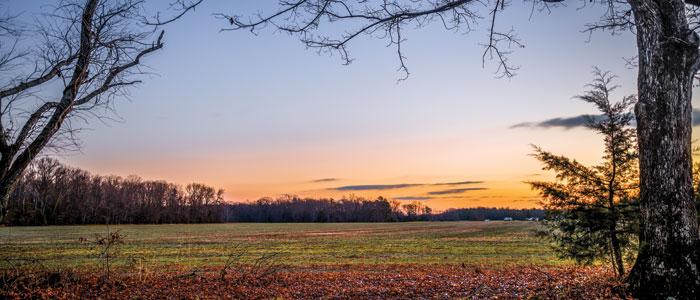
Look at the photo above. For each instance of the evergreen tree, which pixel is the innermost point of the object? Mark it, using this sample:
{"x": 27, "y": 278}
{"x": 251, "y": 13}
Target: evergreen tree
{"x": 593, "y": 212}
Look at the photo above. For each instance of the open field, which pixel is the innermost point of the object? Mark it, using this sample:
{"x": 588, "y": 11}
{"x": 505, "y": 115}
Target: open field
{"x": 492, "y": 243}
{"x": 473, "y": 260}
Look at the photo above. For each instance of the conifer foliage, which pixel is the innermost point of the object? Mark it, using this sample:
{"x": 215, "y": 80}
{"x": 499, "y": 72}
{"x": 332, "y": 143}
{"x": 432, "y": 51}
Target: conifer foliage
{"x": 593, "y": 212}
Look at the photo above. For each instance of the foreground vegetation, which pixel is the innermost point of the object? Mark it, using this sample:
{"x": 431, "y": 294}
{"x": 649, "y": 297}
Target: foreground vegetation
{"x": 487, "y": 243}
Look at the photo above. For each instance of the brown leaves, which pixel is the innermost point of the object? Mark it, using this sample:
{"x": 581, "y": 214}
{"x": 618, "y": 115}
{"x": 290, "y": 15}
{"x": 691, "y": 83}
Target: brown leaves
{"x": 345, "y": 282}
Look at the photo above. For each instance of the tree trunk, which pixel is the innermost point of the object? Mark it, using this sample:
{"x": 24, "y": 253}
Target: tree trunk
{"x": 614, "y": 218}
{"x": 667, "y": 264}
{"x": 7, "y": 186}
{"x": 617, "y": 253}
{"x": 12, "y": 164}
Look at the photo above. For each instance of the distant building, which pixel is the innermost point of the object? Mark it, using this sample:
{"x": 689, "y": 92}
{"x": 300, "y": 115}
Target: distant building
{"x": 507, "y": 219}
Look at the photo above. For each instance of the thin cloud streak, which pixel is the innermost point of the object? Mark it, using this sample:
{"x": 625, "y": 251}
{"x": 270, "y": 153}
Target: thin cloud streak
{"x": 412, "y": 198}
{"x": 379, "y": 187}
{"x": 325, "y": 180}
{"x": 459, "y": 183}
{"x": 374, "y": 187}
{"x": 455, "y": 191}
{"x": 566, "y": 123}
{"x": 578, "y": 121}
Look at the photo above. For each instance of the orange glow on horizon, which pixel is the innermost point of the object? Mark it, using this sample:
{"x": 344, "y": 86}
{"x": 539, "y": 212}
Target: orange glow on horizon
{"x": 501, "y": 162}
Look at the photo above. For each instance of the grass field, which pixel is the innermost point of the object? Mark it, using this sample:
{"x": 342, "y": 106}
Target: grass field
{"x": 446, "y": 260}
{"x": 492, "y": 243}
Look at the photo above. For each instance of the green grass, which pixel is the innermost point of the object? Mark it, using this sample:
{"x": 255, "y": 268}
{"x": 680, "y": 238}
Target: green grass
{"x": 492, "y": 243}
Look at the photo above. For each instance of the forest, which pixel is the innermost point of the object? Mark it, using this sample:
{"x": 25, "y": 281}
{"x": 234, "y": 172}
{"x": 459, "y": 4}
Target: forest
{"x": 51, "y": 193}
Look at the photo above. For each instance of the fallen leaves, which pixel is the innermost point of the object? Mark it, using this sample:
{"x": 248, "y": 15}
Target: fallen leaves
{"x": 335, "y": 282}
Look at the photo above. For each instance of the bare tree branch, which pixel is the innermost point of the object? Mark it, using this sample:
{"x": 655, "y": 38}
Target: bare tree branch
{"x": 116, "y": 71}
{"x": 23, "y": 86}
{"x": 180, "y": 6}
{"x": 384, "y": 19}
{"x": 94, "y": 50}
{"x": 387, "y": 19}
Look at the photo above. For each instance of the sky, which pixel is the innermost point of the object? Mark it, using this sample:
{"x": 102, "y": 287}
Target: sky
{"x": 260, "y": 115}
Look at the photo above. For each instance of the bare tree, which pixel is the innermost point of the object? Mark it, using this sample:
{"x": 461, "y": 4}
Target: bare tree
{"x": 74, "y": 63}
{"x": 668, "y": 263}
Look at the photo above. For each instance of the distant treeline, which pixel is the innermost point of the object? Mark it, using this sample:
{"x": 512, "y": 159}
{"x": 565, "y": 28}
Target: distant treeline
{"x": 53, "y": 194}
{"x": 50, "y": 193}
{"x": 488, "y": 213}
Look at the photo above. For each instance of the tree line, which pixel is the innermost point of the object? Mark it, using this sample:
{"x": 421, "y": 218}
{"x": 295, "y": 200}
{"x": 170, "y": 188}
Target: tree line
{"x": 50, "y": 193}
{"x": 489, "y": 213}
{"x": 353, "y": 209}
{"x": 295, "y": 209}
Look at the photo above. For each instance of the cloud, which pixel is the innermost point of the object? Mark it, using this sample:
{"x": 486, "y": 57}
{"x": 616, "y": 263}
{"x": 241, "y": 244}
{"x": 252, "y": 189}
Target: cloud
{"x": 455, "y": 191}
{"x": 413, "y": 198}
{"x": 579, "y": 121}
{"x": 566, "y": 123}
{"x": 324, "y": 180}
{"x": 459, "y": 183}
{"x": 379, "y": 187}
{"x": 375, "y": 187}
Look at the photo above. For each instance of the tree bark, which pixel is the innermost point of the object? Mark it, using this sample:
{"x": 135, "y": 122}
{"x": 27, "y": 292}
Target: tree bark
{"x": 614, "y": 241}
{"x": 667, "y": 264}
{"x": 6, "y": 189}
{"x": 617, "y": 253}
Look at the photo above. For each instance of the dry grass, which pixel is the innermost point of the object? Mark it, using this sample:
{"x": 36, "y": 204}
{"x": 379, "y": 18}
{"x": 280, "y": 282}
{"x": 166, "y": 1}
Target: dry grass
{"x": 202, "y": 245}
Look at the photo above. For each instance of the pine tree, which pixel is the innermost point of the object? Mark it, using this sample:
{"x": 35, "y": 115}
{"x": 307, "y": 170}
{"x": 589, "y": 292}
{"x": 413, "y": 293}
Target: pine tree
{"x": 593, "y": 212}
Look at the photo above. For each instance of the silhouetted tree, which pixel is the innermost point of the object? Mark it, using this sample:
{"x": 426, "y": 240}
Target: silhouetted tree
{"x": 416, "y": 211}
{"x": 488, "y": 213}
{"x": 50, "y": 193}
{"x": 668, "y": 59}
{"x": 294, "y": 209}
{"x": 90, "y": 50}
{"x": 593, "y": 211}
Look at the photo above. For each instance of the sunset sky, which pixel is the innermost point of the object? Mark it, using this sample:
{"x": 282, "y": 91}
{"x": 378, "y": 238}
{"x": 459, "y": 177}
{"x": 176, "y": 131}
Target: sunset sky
{"x": 263, "y": 116}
